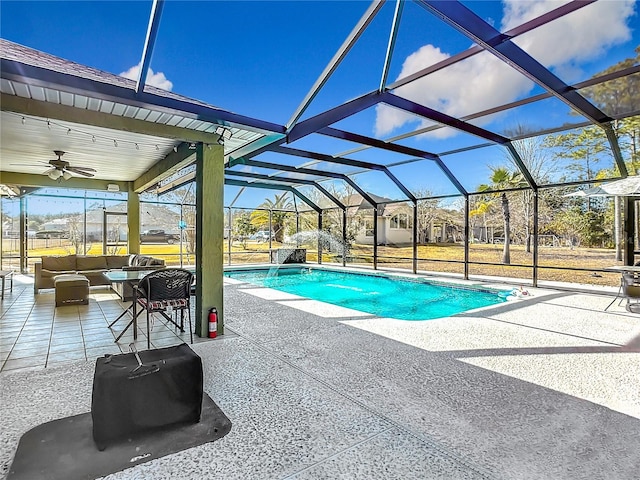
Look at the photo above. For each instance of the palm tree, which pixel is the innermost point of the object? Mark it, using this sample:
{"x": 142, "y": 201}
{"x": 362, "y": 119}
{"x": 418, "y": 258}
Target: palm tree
{"x": 278, "y": 208}
{"x": 501, "y": 179}
{"x": 483, "y": 207}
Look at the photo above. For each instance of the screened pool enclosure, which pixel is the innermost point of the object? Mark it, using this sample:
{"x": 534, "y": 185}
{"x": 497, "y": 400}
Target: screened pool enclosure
{"x": 473, "y": 150}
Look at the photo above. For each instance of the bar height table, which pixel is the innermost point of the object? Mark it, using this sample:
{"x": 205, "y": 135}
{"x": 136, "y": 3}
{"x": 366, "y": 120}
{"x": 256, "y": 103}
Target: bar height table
{"x": 131, "y": 277}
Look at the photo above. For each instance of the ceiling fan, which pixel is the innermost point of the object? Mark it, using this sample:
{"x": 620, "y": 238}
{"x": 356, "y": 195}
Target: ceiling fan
{"x": 61, "y": 170}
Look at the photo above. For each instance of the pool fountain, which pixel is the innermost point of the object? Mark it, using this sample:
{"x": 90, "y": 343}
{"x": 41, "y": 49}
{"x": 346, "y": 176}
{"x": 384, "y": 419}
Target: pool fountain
{"x": 291, "y": 251}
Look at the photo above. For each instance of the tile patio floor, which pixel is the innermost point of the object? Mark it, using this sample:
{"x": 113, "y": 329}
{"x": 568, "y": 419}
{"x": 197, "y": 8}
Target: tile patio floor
{"x": 35, "y": 334}
{"x": 542, "y": 388}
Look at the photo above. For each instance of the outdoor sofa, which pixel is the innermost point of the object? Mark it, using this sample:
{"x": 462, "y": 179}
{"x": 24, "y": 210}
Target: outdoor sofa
{"x": 91, "y": 266}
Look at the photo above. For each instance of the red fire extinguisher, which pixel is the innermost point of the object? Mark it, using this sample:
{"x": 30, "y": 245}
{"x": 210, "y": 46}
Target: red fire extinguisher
{"x": 213, "y": 322}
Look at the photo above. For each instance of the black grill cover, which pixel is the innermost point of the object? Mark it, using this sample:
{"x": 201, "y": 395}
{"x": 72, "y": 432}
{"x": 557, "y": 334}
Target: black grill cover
{"x": 166, "y": 391}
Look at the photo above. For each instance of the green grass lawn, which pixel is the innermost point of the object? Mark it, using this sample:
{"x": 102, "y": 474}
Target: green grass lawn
{"x": 434, "y": 257}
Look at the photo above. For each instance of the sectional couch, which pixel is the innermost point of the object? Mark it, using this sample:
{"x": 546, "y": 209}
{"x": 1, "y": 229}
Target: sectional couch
{"x": 91, "y": 266}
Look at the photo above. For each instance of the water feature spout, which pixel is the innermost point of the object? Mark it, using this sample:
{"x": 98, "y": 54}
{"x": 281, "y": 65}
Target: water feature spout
{"x": 324, "y": 241}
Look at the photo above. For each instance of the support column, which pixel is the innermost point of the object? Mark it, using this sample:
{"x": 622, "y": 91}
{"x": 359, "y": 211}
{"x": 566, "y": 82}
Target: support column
{"x": 24, "y": 261}
{"x": 629, "y": 231}
{"x": 375, "y": 237}
{"x": 536, "y": 227}
{"x": 344, "y": 237}
{"x": 133, "y": 221}
{"x": 320, "y": 237}
{"x": 616, "y": 227}
{"x": 270, "y": 232}
{"x": 414, "y": 238}
{"x": 229, "y": 232}
{"x": 466, "y": 237}
{"x": 209, "y": 235}
{"x": 84, "y": 224}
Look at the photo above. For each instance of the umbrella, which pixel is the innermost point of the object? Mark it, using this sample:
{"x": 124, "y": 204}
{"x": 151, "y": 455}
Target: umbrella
{"x": 626, "y": 187}
{"x": 588, "y": 192}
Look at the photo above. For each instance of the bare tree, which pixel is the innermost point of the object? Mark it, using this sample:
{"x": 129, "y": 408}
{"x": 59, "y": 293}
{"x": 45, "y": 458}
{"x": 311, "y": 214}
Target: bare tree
{"x": 427, "y": 213}
{"x": 541, "y": 166}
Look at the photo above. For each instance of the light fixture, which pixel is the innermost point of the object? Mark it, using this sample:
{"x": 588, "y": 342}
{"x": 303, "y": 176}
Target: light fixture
{"x": 51, "y": 125}
{"x": 55, "y": 174}
{"x": 225, "y": 134}
{"x": 66, "y": 175}
{"x": 113, "y": 187}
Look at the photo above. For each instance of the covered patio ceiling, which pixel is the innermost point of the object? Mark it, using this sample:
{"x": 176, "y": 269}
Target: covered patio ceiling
{"x": 100, "y": 122}
{"x": 129, "y": 131}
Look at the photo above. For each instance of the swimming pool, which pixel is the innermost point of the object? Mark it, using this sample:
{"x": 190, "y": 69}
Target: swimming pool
{"x": 394, "y": 297}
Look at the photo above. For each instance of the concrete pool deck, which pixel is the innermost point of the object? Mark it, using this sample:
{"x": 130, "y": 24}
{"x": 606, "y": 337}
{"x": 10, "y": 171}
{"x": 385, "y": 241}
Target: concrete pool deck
{"x": 546, "y": 387}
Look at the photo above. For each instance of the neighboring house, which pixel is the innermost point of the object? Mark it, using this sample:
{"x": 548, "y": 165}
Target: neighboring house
{"x": 58, "y": 224}
{"x": 395, "y": 223}
{"x": 395, "y": 220}
{"x": 10, "y": 229}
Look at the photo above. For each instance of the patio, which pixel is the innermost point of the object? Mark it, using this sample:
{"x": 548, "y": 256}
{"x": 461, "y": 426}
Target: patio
{"x": 545, "y": 387}
{"x": 36, "y": 334}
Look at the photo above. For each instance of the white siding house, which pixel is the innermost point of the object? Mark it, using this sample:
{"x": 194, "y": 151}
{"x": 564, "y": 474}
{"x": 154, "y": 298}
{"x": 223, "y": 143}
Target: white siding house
{"x": 395, "y": 221}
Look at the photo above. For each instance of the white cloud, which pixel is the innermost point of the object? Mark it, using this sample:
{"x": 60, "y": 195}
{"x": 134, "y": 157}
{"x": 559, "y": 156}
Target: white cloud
{"x": 582, "y": 35}
{"x": 153, "y": 78}
{"x": 483, "y": 81}
{"x": 472, "y": 85}
{"x": 389, "y": 118}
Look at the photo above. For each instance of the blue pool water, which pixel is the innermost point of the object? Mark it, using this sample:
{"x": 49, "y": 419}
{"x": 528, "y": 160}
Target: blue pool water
{"x": 376, "y": 294}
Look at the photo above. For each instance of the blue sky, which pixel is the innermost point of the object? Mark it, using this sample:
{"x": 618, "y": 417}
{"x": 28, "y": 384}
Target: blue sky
{"x": 260, "y": 58}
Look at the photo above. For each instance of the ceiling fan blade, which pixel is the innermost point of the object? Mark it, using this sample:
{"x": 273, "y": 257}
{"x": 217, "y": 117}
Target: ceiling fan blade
{"x": 79, "y": 172}
{"x": 86, "y": 169}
